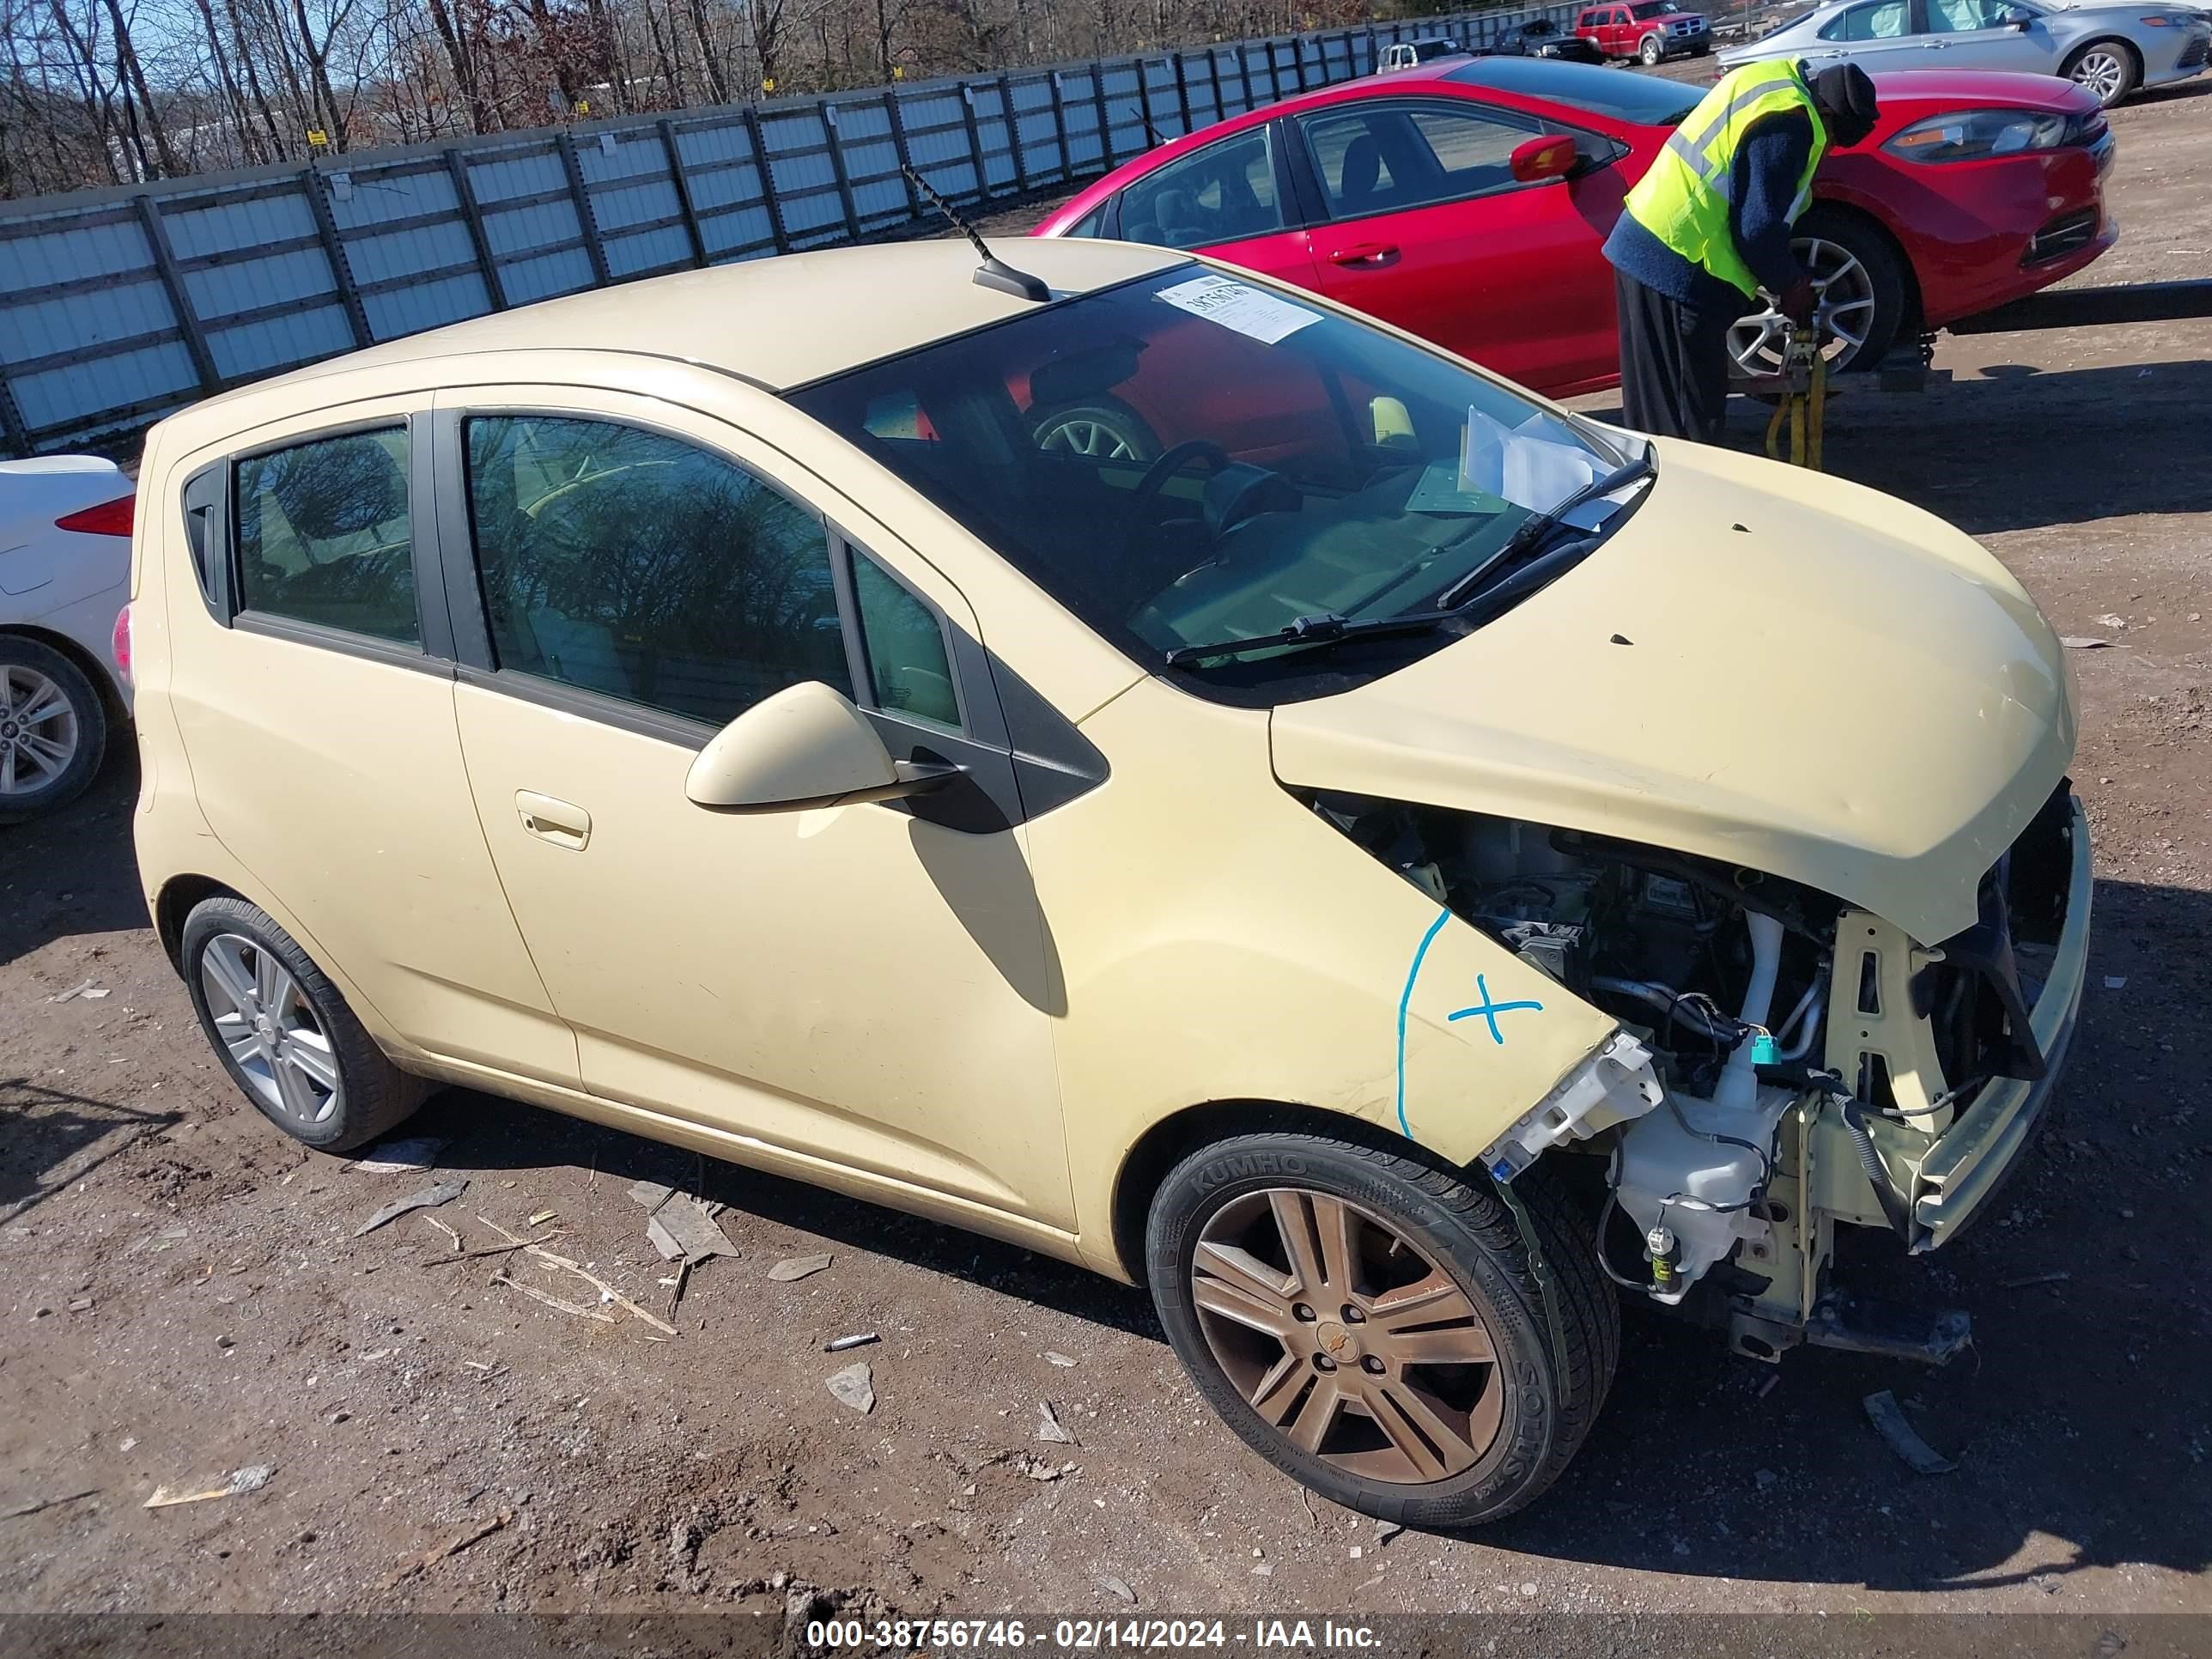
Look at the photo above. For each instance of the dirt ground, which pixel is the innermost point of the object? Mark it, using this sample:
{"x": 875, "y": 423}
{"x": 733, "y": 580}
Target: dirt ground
{"x": 183, "y": 1294}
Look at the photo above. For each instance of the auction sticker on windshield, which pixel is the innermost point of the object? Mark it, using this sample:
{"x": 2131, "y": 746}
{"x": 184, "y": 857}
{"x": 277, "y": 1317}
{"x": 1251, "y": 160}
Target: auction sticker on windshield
{"x": 1232, "y": 304}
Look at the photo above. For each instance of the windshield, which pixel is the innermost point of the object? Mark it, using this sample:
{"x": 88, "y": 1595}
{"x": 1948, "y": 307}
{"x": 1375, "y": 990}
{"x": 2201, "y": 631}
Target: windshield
{"x": 1191, "y": 458}
{"x": 1657, "y": 9}
{"x": 1644, "y": 99}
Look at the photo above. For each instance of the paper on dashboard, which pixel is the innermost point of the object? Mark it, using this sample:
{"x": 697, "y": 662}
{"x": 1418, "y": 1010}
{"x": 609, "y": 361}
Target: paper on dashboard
{"x": 1250, "y": 311}
{"x": 1523, "y": 463}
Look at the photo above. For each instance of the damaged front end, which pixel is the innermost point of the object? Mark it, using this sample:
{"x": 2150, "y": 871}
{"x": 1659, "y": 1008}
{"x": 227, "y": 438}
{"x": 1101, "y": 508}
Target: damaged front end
{"x": 1781, "y": 1060}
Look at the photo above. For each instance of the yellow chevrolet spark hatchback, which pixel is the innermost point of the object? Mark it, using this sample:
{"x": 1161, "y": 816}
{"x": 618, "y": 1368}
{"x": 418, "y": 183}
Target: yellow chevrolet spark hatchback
{"x": 1144, "y": 763}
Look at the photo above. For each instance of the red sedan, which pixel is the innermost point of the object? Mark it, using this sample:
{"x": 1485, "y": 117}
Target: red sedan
{"x": 1467, "y": 202}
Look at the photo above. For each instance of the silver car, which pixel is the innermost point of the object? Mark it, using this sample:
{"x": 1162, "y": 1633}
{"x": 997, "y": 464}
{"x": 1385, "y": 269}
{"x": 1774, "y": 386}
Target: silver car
{"x": 2111, "y": 49}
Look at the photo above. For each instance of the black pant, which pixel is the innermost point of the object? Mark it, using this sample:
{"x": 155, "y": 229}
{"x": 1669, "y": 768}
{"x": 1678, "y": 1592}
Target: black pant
{"x": 1673, "y": 363}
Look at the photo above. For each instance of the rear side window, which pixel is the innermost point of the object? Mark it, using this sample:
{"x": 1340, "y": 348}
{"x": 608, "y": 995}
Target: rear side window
{"x": 635, "y": 564}
{"x": 1092, "y": 224}
{"x": 1224, "y": 193}
{"x": 324, "y": 535}
{"x": 1886, "y": 20}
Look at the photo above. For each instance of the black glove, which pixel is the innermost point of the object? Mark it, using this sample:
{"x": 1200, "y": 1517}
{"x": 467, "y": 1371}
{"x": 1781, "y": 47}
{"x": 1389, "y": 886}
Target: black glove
{"x": 1800, "y": 302}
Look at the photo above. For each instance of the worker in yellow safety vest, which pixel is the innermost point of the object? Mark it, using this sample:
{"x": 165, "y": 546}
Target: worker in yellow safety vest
{"x": 1708, "y": 226}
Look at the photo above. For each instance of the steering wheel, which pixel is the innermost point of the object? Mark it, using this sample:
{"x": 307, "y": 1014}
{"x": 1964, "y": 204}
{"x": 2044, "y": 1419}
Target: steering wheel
{"x": 1172, "y": 460}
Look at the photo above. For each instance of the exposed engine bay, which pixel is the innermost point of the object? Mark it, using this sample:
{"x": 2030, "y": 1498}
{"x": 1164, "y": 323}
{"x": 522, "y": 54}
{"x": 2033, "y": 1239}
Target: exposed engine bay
{"x": 1744, "y": 1056}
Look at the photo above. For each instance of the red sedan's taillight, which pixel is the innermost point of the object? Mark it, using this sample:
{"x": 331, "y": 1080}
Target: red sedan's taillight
{"x": 122, "y": 645}
{"x": 109, "y": 519}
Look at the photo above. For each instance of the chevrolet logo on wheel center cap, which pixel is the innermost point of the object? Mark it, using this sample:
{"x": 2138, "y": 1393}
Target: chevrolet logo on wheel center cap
{"x": 1336, "y": 1342}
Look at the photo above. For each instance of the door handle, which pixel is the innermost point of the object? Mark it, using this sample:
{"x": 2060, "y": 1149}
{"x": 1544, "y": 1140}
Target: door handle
{"x": 1365, "y": 253}
{"x": 562, "y": 822}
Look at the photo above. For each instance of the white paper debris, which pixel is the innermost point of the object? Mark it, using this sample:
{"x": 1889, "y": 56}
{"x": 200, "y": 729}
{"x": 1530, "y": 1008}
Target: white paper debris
{"x": 393, "y": 1156}
{"x": 1531, "y": 465}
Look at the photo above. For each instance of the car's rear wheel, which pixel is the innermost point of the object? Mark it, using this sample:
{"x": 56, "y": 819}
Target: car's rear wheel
{"x": 1376, "y": 1326}
{"x": 1103, "y": 430}
{"x": 285, "y": 1035}
{"x": 1862, "y": 290}
{"x": 53, "y": 729}
{"x": 1652, "y": 51}
{"x": 2107, "y": 69}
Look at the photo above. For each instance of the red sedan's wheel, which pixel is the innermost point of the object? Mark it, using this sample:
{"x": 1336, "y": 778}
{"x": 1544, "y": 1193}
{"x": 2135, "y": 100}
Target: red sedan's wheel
{"x": 1861, "y": 298}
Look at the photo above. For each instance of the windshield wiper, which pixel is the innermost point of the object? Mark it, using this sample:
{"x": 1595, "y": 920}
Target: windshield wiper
{"x": 1326, "y": 629}
{"x": 1538, "y": 528}
{"x": 1460, "y": 602}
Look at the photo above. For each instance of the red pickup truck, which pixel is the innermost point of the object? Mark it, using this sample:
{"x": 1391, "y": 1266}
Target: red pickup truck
{"x": 1652, "y": 30}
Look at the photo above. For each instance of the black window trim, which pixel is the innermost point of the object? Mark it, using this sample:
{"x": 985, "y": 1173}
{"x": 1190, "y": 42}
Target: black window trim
{"x": 432, "y": 622}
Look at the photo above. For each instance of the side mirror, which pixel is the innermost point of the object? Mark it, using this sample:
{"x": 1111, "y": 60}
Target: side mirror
{"x": 806, "y": 746}
{"x": 2021, "y": 21}
{"x": 1536, "y": 160}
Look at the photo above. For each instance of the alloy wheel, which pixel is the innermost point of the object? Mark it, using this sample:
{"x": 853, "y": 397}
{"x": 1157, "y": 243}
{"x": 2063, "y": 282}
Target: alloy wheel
{"x": 1346, "y": 1337}
{"x": 39, "y": 730}
{"x": 1089, "y": 436}
{"x": 2102, "y": 72}
{"x": 271, "y": 1031}
{"x": 1844, "y": 318}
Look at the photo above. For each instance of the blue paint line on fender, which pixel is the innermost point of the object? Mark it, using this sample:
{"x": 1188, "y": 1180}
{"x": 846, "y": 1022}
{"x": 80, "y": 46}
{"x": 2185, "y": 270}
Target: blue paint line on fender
{"x": 1404, "y": 1004}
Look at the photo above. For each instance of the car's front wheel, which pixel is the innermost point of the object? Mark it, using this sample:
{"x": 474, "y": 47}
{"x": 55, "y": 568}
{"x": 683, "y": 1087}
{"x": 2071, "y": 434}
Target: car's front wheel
{"x": 1862, "y": 287}
{"x": 1652, "y": 51}
{"x": 1379, "y": 1327}
{"x": 53, "y": 729}
{"x": 2107, "y": 69}
{"x": 285, "y": 1035}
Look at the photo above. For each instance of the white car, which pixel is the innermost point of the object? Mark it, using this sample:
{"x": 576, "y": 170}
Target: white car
{"x": 64, "y": 574}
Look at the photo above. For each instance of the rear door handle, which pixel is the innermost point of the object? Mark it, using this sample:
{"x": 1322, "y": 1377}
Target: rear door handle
{"x": 562, "y": 822}
{"x": 1365, "y": 253}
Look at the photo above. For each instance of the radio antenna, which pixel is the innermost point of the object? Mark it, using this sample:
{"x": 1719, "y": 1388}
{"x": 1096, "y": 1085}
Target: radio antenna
{"x": 993, "y": 272}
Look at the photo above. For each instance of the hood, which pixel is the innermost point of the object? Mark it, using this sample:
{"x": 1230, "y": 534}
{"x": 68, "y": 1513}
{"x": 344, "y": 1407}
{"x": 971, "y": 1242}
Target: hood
{"x": 1981, "y": 89}
{"x": 1763, "y": 666}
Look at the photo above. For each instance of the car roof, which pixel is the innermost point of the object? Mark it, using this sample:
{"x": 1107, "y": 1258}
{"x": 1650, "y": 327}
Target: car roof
{"x": 781, "y": 322}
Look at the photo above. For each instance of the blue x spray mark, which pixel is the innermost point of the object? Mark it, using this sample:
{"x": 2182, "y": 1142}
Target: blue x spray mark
{"x": 1490, "y": 1010}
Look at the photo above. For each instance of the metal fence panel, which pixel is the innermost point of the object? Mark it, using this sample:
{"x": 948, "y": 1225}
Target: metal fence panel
{"x": 119, "y": 305}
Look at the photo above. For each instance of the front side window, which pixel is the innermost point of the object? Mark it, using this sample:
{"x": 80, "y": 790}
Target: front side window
{"x": 1224, "y": 193}
{"x": 1378, "y": 159}
{"x": 1965, "y": 16}
{"x": 909, "y": 672}
{"x": 1274, "y": 462}
{"x": 628, "y": 562}
{"x": 324, "y": 535}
